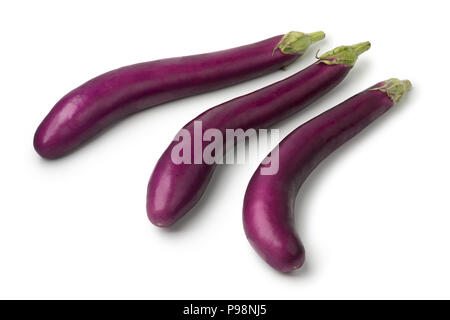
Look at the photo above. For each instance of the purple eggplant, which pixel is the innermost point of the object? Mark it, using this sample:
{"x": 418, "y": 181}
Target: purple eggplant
{"x": 270, "y": 199}
{"x": 109, "y": 97}
{"x": 174, "y": 188}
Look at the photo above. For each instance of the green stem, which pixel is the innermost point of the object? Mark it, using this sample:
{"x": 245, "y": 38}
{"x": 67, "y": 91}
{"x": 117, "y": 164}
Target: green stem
{"x": 361, "y": 47}
{"x": 298, "y": 42}
{"x": 345, "y": 54}
{"x": 395, "y": 88}
{"x": 316, "y": 36}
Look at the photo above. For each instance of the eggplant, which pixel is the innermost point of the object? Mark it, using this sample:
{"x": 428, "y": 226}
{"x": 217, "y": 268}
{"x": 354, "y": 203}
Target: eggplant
{"x": 174, "y": 188}
{"x": 106, "y": 99}
{"x": 269, "y": 201}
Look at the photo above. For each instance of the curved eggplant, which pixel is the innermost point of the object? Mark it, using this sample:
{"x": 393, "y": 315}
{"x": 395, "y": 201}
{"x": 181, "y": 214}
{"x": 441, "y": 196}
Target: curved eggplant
{"x": 270, "y": 199}
{"x": 174, "y": 188}
{"x": 98, "y": 103}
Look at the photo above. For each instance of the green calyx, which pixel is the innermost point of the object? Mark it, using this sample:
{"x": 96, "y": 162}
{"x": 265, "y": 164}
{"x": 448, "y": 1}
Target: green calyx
{"x": 298, "y": 42}
{"x": 345, "y": 54}
{"x": 395, "y": 88}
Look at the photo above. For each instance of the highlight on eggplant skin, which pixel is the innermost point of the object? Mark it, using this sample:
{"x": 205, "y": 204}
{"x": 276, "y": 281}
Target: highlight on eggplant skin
{"x": 103, "y": 100}
{"x": 269, "y": 201}
{"x": 174, "y": 189}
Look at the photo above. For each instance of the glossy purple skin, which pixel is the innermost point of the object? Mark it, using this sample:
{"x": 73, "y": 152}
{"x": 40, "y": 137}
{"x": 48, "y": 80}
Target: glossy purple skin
{"x": 111, "y": 96}
{"x": 269, "y": 203}
{"x": 174, "y": 189}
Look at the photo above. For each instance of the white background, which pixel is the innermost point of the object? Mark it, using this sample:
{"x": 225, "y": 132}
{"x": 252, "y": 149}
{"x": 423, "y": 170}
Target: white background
{"x": 374, "y": 217}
